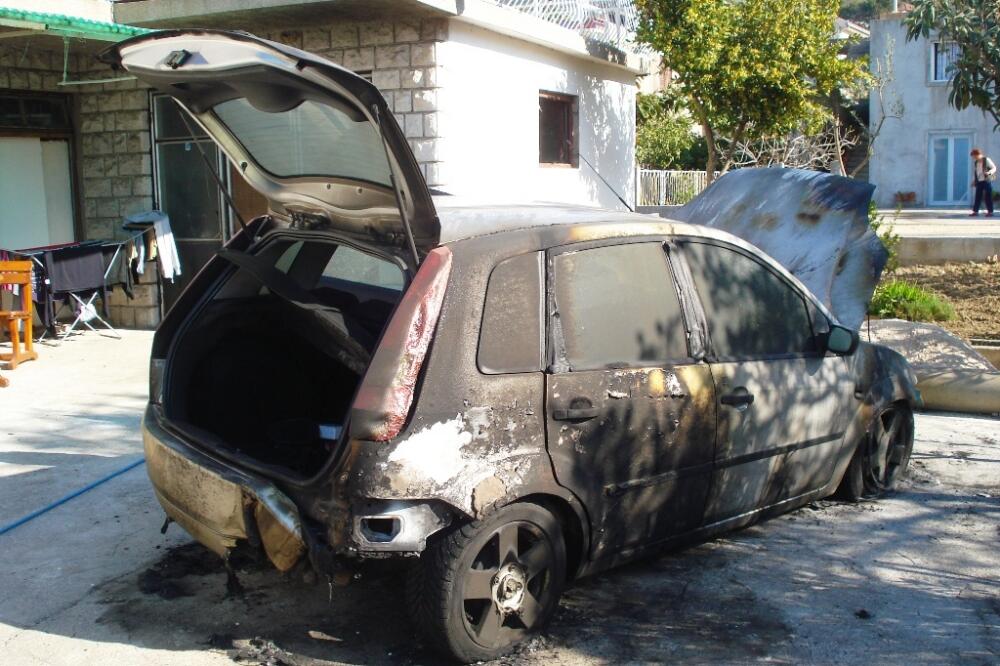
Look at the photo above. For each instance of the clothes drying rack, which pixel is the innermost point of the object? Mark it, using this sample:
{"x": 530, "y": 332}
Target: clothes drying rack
{"x": 86, "y": 311}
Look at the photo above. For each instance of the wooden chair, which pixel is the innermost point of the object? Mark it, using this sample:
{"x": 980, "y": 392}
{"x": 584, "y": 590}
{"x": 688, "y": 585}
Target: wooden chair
{"x": 19, "y": 273}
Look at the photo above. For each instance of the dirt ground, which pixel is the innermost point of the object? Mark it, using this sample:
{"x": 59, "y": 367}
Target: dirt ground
{"x": 974, "y": 290}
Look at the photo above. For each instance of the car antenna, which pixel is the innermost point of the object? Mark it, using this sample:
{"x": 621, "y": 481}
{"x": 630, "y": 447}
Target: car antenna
{"x": 396, "y": 190}
{"x": 211, "y": 169}
{"x": 606, "y": 183}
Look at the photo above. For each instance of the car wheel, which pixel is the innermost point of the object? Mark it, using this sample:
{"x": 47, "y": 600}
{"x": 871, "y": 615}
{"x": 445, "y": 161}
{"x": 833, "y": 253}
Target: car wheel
{"x": 483, "y": 588}
{"x": 888, "y": 449}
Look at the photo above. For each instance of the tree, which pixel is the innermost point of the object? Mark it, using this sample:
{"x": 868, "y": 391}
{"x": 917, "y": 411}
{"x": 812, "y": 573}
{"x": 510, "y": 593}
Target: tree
{"x": 750, "y": 69}
{"x": 863, "y": 10}
{"x": 975, "y": 26}
{"x": 664, "y": 137}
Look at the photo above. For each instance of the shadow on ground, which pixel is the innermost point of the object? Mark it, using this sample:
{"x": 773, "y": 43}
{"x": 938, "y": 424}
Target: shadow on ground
{"x": 795, "y": 589}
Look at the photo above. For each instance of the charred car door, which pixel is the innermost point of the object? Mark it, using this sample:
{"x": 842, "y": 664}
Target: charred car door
{"x": 630, "y": 412}
{"x": 783, "y": 403}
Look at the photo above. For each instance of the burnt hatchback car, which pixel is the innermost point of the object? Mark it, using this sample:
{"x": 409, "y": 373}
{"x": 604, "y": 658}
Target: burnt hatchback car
{"x": 511, "y": 397}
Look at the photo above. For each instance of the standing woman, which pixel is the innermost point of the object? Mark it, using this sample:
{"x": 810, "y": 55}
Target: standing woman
{"x": 984, "y": 173}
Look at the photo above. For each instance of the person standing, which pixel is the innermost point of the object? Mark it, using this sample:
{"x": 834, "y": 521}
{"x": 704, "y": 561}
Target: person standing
{"x": 984, "y": 173}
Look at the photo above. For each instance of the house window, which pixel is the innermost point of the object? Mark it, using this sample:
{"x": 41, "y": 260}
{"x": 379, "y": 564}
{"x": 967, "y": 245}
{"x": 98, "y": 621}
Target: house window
{"x": 557, "y": 129}
{"x": 943, "y": 59}
{"x": 34, "y": 113}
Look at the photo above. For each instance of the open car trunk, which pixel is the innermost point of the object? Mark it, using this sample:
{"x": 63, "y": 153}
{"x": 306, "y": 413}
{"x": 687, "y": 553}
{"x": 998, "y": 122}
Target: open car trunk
{"x": 268, "y": 366}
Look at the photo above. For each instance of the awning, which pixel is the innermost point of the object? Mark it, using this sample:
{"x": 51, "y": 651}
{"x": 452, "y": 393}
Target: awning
{"x": 23, "y": 23}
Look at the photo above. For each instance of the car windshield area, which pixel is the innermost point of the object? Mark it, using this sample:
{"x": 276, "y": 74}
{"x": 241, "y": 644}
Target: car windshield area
{"x": 311, "y": 139}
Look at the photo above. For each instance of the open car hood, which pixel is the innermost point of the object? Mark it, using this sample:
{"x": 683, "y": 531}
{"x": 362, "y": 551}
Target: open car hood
{"x": 814, "y": 224}
{"x": 318, "y": 141}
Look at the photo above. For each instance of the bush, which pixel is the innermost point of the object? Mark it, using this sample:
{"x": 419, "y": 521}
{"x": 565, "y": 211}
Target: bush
{"x": 905, "y": 300}
{"x": 885, "y": 230}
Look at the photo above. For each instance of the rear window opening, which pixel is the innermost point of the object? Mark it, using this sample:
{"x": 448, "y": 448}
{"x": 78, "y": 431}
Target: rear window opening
{"x": 269, "y": 366}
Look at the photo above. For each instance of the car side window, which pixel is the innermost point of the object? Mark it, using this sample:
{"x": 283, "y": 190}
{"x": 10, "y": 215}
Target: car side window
{"x": 355, "y": 266}
{"x": 616, "y": 306}
{"x": 510, "y": 339}
{"x": 750, "y": 310}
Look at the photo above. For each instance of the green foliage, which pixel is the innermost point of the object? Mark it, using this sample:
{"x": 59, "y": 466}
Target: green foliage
{"x": 750, "y": 69}
{"x": 664, "y": 139}
{"x": 975, "y": 26}
{"x": 905, "y": 300}
{"x": 863, "y": 10}
{"x": 886, "y": 232}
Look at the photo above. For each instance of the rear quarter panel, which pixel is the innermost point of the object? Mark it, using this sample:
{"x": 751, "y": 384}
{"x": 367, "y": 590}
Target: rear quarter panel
{"x": 474, "y": 441}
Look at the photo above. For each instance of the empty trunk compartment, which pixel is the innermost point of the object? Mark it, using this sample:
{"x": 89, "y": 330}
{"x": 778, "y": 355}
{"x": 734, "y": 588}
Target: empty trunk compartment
{"x": 269, "y": 365}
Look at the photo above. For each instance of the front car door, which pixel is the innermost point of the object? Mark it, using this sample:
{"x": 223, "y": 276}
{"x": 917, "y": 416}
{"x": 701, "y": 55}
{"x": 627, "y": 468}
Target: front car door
{"x": 783, "y": 403}
{"x": 631, "y": 413}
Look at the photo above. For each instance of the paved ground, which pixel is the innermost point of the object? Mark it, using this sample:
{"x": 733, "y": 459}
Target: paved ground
{"x": 948, "y": 222}
{"x": 912, "y": 578}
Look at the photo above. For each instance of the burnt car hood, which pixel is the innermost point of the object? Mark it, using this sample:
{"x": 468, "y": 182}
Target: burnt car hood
{"x": 814, "y": 224}
{"x": 318, "y": 141}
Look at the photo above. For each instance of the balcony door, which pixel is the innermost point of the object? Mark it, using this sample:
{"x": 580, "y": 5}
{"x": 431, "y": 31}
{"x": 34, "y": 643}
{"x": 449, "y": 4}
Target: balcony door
{"x": 950, "y": 169}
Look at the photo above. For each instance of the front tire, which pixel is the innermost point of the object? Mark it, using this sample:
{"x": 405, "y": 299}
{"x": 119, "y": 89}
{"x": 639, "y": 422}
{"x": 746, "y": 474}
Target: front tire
{"x": 882, "y": 456}
{"x": 485, "y": 587}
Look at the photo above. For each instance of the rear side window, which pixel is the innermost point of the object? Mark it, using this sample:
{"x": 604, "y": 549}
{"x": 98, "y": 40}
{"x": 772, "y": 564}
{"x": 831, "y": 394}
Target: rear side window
{"x": 617, "y": 306}
{"x": 510, "y": 339}
{"x": 750, "y": 310}
{"x": 355, "y": 266}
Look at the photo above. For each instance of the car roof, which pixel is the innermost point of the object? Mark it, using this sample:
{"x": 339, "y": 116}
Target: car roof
{"x": 462, "y": 219}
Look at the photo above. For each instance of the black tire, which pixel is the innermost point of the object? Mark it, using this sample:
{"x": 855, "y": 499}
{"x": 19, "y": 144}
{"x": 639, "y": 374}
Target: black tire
{"x": 521, "y": 555}
{"x": 882, "y": 456}
{"x": 889, "y": 449}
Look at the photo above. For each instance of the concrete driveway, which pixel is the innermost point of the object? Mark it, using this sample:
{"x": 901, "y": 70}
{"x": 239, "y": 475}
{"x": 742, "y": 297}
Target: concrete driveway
{"x": 912, "y": 578}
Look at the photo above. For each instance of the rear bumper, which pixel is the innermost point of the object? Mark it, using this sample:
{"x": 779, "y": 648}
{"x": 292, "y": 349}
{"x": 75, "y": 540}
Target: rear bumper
{"x": 216, "y": 503}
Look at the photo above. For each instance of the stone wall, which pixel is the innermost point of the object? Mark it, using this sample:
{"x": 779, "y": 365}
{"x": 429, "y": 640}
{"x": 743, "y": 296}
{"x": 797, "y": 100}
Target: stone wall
{"x": 401, "y": 58}
{"x": 112, "y": 150}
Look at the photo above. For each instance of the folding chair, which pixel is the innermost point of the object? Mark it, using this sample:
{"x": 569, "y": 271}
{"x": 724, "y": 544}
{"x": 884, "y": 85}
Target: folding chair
{"x": 18, "y": 273}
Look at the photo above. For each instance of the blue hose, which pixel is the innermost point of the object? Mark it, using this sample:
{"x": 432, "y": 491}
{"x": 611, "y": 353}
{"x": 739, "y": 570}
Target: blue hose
{"x": 62, "y": 500}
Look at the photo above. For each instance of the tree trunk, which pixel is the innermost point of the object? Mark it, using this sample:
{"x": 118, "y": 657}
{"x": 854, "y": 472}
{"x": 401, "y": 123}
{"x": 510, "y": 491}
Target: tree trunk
{"x": 706, "y": 129}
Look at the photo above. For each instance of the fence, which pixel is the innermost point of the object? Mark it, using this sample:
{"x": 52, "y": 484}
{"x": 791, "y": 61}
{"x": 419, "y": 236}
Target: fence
{"x": 666, "y": 188}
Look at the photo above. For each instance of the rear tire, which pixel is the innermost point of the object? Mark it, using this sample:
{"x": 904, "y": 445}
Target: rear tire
{"x": 482, "y": 589}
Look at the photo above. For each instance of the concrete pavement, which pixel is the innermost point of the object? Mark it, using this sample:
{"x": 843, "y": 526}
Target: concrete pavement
{"x": 908, "y": 579}
{"x": 940, "y": 235}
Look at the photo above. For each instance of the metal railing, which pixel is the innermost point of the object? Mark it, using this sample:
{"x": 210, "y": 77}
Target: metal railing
{"x": 611, "y": 22}
{"x": 669, "y": 188}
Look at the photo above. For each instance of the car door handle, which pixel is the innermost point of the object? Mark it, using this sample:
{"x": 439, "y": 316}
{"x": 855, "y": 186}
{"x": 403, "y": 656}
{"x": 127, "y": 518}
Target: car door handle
{"x": 575, "y": 413}
{"x": 737, "y": 399}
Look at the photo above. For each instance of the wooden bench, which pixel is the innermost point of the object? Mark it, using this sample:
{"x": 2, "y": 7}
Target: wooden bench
{"x": 19, "y": 273}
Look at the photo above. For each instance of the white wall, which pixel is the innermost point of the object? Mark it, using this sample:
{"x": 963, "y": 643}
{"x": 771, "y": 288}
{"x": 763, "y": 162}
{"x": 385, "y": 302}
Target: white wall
{"x": 36, "y": 206}
{"x": 488, "y": 115}
{"x": 901, "y": 152}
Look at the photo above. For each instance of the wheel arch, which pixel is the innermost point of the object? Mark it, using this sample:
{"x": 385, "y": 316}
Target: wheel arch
{"x": 571, "y": 518}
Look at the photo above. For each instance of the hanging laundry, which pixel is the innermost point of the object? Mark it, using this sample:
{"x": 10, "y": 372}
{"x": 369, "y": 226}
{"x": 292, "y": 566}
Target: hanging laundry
{"x": 165, "y": 247}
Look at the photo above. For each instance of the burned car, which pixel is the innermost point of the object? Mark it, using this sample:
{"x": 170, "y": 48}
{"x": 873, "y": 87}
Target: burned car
{"x": 510, "y": 396}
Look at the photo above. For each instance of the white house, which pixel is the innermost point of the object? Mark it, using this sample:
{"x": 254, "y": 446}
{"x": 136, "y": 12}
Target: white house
{"x": 921, "y": 155}
{"x": 500, "y": 99}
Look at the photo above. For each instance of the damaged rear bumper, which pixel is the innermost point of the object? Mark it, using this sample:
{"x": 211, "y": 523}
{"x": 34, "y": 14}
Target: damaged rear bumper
{"x": 217, "y": 504}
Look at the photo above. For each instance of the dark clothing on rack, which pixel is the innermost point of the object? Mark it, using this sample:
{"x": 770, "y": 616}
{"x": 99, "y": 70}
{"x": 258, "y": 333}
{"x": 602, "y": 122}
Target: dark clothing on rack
{"x": 116, "y": 264}
{"x": 76, "y": 268}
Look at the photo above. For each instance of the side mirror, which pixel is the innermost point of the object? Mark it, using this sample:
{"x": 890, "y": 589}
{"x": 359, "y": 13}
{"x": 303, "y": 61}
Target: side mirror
{"x": 841, "y": 341}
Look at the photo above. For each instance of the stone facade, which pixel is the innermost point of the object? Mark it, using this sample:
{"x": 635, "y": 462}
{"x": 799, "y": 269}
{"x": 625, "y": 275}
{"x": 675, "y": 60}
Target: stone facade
{"x": 113, "y": 135}
{"x": 112, "y": 151}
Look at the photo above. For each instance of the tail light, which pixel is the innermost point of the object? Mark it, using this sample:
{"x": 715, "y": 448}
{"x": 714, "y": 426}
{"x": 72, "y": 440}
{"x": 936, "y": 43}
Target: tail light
{"x": 386, "y": 393}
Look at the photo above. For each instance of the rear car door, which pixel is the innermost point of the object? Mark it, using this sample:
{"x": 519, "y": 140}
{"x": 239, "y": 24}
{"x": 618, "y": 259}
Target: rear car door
{"x": 630, "y": 413}
{"x": 783, "y": 402}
